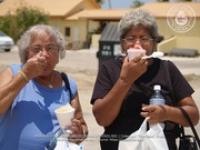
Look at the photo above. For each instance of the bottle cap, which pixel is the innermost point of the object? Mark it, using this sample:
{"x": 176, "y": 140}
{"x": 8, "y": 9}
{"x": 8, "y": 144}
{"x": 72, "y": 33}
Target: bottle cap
{"x": 157, "y": 87}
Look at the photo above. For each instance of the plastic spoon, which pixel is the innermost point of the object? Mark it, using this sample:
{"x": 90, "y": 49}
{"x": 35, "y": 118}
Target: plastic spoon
{"x": 154, "y": 55}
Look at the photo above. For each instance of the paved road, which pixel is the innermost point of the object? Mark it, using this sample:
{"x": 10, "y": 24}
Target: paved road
{"x": 82, "y": 65}
{"x": 87, "y": 60}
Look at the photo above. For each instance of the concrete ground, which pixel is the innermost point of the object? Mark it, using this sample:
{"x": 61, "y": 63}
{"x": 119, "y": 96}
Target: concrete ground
{"x": 82, "y": 65}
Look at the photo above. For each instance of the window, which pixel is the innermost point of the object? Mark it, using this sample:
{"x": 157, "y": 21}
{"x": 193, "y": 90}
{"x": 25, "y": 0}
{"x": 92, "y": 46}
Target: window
{"x": 67, "y": 31}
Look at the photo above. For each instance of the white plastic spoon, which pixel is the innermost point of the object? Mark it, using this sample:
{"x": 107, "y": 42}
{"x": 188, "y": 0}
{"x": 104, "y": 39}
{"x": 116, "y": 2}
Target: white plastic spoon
{"x": 154, "y": 55}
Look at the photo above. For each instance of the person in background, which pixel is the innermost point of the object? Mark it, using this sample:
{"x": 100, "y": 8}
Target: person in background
{"x": 123, "y": 88}
{"x": 31, "y": 91}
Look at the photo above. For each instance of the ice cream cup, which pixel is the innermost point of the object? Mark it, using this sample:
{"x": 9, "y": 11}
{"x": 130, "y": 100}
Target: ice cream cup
{"x": 132, "y": 53}
{"x": 64, "y": 115}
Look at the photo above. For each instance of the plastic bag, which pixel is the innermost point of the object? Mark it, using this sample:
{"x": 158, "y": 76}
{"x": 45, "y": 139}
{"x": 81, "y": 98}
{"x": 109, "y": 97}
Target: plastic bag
{"x": 153, "y": 139}
{"x": 60, "y": 142}
{"x": 65, "y": 145}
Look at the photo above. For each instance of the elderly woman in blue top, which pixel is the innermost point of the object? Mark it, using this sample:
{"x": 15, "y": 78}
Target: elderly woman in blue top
{"x": 31, "y": 91}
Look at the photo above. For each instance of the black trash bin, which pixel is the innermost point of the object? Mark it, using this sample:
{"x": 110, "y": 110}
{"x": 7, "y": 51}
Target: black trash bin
{"x": 109, "y": 44}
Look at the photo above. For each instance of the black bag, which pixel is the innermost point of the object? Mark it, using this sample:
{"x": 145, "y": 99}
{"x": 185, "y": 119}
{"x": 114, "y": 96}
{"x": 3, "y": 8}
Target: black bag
{"x": 188, "y": 142}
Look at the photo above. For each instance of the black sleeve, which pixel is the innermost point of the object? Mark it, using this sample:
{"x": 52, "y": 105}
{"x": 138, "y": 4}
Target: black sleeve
{"x": 102, "y": 85}
{"x": 180, "y": 85}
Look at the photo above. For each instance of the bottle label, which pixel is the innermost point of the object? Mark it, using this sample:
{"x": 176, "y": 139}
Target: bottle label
{"x": 157, "y": 101}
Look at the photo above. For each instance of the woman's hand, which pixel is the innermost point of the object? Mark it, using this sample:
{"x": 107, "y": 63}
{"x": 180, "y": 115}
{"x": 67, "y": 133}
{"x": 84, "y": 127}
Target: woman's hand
{"x": 132, "y": 70}
{"x": 161, "y": 113}
{"x": 35, "y": 66}
{"x": 78, "y": 127}
{"x": 155, "y": 113}
{"x": 77, "y": 134}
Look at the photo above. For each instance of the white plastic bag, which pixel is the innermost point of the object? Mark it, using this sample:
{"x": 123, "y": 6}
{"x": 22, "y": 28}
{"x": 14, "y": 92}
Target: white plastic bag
{"x": 65, "y": 145}
{"x": 153, "y": 139}
{"x": 60, "y": 142}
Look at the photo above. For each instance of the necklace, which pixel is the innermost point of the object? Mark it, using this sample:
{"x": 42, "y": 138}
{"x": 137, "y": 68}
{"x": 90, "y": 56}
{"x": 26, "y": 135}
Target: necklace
{"x": 50, "y": 84}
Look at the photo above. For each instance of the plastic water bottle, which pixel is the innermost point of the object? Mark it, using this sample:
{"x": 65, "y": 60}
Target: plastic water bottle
{"x": 157, "y": 98}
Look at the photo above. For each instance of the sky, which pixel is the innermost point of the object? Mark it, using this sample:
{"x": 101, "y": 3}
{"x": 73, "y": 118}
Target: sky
{"x": 120, "y": 3}
{"x": 125, "y": 3}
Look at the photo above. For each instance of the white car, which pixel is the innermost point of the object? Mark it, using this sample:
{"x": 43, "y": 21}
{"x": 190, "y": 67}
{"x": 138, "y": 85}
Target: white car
{"x": 6, "y": 42}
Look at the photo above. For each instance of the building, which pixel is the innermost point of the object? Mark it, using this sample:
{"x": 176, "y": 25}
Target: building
{"x": 58, "y": 11}
{"x": 178, "y": 23}
{"x": 184, "y": 36}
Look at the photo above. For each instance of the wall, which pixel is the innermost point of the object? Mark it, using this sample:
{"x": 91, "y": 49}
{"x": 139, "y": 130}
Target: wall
{"x": 81, "y": 25}
{"x": 166, "y": 45}
{"x": 188, "y": 42}
{"x": 173, "y": 39}
{"x": 165, "y": 30}
{"x": 179, "y": 42}
{"x": 78, "y": 26}
{"x": 95, "y": 41}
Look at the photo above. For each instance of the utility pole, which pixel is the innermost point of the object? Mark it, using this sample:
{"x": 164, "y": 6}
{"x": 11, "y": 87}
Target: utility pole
{"x": 109, "y": 2}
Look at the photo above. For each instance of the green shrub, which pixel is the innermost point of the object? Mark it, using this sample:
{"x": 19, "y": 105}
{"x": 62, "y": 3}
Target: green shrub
{"x": 14, "y": 24}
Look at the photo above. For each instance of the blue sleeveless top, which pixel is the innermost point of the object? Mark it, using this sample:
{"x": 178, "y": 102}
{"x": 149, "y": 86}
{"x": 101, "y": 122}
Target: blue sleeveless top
{"x": 31, "y": 123}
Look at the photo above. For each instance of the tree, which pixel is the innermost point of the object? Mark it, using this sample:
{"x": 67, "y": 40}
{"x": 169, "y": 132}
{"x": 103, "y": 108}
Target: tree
{"x": 136, "y": 3}
{"x": 100, "y": 1}
{"x": 162, "y": 0}
{"x": 14, "y": 24}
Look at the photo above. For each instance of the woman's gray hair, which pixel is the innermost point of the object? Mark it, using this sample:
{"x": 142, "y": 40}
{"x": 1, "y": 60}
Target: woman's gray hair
{"x": 137, "y": 18}
{"x": 26, "y": 38}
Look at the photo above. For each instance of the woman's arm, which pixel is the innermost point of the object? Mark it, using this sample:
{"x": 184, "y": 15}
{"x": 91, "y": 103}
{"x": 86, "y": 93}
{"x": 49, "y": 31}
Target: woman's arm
{"x": 190, "y": 107}
{"x": 106, "y": 110}
{"x": 79, "y": 127}
{"x": 9, "y": 88}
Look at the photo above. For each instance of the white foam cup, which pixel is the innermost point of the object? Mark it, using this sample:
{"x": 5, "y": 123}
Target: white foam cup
{"x": 64, "y": 115}
{"x": 132, "y": 53}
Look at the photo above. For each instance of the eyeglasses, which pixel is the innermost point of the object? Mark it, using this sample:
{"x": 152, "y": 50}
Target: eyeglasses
{"x": 133, "y": 40}
{"x": 49, "y": 49}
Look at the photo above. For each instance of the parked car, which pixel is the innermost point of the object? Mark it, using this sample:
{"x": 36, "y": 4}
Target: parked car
{"x": 6, "y": 42}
